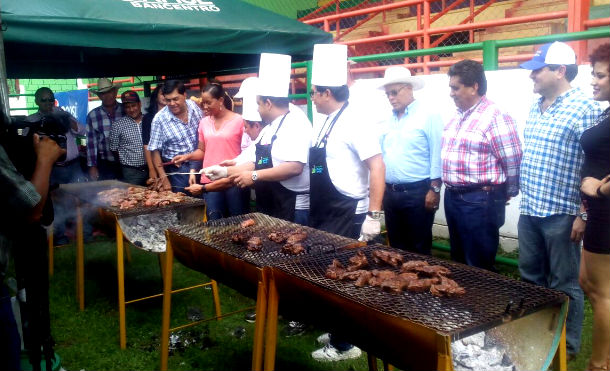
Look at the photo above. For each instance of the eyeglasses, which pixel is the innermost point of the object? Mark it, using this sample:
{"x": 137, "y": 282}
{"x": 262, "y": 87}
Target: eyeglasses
{"x": 393, "y": 93}
{"x": 312, "y": 93}
{"x": 47, "y": 100}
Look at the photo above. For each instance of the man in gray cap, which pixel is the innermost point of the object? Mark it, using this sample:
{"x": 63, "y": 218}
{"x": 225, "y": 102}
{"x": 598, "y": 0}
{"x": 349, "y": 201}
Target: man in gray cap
{"x": 101, "y": 161}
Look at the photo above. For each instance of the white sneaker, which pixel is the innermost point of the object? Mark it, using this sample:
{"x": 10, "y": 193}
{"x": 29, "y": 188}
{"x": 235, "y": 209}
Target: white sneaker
{"x": 330, "y": 354}
{"x": 323, "y": 339}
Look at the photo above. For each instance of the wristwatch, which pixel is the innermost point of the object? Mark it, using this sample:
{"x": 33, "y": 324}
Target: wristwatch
{"x": 435, "y": 188}
{"x": 583, "y": 216}
{"x": 375, "y": 214}
{"x": 254, "y": 176}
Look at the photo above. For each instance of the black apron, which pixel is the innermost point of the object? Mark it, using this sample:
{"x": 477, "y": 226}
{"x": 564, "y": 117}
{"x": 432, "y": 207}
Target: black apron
{"x": 329, "y": 209}
{"x": 272, "y": 198}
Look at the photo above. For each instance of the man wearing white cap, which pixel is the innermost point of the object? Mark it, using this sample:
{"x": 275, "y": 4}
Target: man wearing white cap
{"x": 345, "y": 153}
{"x": 277, "y": 168}
{"x": 552, "y": 220}
{"x": 411, "y": 146}
{"x": 100, "y": 159}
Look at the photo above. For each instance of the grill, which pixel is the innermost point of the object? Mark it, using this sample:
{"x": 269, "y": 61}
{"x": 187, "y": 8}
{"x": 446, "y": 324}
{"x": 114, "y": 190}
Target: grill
{"x": 217, "y": 235}
{"x": 415, "y": 330}
{"x": 490, "y": 298}
{"x": 87, "y": 192}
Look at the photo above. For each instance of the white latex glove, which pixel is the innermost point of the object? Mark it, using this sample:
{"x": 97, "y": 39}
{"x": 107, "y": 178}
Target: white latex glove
{"x": 370, "y": 229}
{"x": 215, "y": 172}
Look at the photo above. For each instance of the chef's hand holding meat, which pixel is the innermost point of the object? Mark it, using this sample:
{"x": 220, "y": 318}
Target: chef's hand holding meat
{"x": 370, "y": 228}
{"x": 215, "y": 172}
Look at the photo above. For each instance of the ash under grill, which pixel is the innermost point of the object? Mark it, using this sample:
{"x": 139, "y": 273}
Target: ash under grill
{"x": 490, "y": 298}
{"x": 217, "y": 234}
{"x": 87, "y": 192}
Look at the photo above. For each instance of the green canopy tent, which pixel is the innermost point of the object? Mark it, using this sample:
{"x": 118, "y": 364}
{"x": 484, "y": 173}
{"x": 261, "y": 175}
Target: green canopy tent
{"x": 76, "y": 38}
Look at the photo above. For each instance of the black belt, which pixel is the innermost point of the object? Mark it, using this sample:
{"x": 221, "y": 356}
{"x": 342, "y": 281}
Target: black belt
{"x": 66, "y": 163}
{"x": 141, "y": 168}
{"x": 407, "y": 186}
{"x": 475, "y": 187}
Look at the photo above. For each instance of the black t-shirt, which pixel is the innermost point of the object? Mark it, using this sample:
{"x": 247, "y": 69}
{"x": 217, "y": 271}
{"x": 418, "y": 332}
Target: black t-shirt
{"x": 595, "y": 142}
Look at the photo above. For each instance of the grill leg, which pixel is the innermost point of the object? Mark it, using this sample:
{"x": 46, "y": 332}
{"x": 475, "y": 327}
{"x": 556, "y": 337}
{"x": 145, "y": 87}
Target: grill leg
{"x": 259, "y": 326}
{"x": 372, "y": 360}
{"x": 216, "y": 299}
{"x": 168, "y": 260}
{"x": 560, "y": 362}
{"x": 121, "y": 279}
{"x": 271, "y": 338}
{"x": 50, "y": 243}
{"x": 80, "y": 258}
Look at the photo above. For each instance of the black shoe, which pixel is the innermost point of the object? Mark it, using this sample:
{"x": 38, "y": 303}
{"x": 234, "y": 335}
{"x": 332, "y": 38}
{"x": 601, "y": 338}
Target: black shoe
{"x": 250, "y": 317}
{"x": 294, "y": 328}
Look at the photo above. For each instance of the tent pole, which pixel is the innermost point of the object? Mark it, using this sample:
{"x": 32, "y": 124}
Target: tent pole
{"x": 3, "y": 82}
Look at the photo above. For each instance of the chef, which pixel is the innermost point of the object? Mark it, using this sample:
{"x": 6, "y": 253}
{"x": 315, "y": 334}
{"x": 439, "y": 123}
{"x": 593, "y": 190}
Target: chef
{"x": 345, "y": 153}
{"x": 277, "y": 169}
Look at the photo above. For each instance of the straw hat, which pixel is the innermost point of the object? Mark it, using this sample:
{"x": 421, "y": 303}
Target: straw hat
{"x": 400, "y": 75}
{"x": 104, "y": 85}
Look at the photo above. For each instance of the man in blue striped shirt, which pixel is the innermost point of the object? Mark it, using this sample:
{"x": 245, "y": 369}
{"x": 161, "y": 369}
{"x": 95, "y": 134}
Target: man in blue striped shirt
{"x": 174, "y": 132}
{"x": 411, "y": 148}
{"x": 552, "y": 221}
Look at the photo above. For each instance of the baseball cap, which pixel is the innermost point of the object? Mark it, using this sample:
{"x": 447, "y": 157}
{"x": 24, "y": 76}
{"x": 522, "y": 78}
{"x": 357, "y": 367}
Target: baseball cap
{"x": 130, "y": 96}
{"x": 552, "y": 53}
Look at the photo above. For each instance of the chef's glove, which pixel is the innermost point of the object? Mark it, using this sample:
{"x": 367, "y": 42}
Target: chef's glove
{"x": 215, "y": 172}
{"x": 370, "y": 229}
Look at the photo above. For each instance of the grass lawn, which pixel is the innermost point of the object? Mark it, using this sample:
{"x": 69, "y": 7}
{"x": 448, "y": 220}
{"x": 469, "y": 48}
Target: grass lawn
{"x": 89, "y": 340}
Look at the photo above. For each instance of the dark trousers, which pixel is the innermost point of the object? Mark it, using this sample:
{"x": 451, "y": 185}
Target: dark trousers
{"x": 108, "y": 170}
{"x": 474, "y": 219}
{"x": 133, "y": 175}
{"x": 230, "y": 202}
{"x": 178, "y": 182}
{"x": 408, "y": 222}
{"x": 10, "y": 342}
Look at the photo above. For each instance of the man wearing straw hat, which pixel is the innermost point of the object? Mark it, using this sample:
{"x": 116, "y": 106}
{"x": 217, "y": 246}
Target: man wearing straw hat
{"x": 411, "y": 145}
{"x": 345, "y": 154}
{"x": 101, "y": 161}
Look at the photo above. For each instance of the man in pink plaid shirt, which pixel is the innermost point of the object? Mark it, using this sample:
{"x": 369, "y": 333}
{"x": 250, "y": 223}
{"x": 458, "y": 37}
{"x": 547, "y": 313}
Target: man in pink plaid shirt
{"x": 480, "y": 158}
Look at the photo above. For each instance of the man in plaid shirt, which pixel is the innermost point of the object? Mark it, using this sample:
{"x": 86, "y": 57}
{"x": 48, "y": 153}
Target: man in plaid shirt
{"x": 480, "y": 155}
{"x": 101, "y": 161}
{"x": 126, "y": 140}
{"x": 552, "y": 222}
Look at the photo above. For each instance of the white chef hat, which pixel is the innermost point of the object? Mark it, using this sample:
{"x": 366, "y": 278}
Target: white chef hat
{"x": 329, "y": 65}
{"x": 247, "y": 87}
{"x": 274, "y": 75}
{"x": 250, "y": 109}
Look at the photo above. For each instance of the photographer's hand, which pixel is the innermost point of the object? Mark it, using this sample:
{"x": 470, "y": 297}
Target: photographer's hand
{"x": 47, "y": 153}
{"x": 47, "y": 149}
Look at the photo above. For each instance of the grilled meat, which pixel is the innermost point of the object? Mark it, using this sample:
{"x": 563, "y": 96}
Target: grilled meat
{"x": 352, "y": 276}
{"x": 388, "y": 257}
{"x": 412, "y": 265}
{"x": 408, "y": 276}
{"x": 432, "y": 270}
{"x": 357, "y": 262}
{"x": 239, "y": 238}
{"x": 254, "y": 244}
{"x": 294, "y": 249}
{"x": 132, "y": 197}
{"x": 363, "y": 278}
{"x": 335, "y": 270}
{"x": 447, "y": 287}
{"x": 298, "y": 235}
{"x": 248, "y": 223}
{"x": 395, "y": 285}
{"x": 381, "y": 275}
{"x": 277, "y": 237}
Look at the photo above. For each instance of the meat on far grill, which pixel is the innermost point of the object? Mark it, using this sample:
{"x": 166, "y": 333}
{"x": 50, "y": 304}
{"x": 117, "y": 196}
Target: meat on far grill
{"x": 132, "y": 197}
{"x": 248, "y": 223}
{"x": 239, "y": 238}
{"x": 357, "y": 262}
{"x": 254, "y": 244}
{"x": 388, "y": 257}
{"x": 294, "y": 249}
{"x": 412, "y": 265}
{"x": 277, "y": 237}
{"x": 447, "y": 287}
{"x": 335, "y": 270}
{"x": 298, "y": 235}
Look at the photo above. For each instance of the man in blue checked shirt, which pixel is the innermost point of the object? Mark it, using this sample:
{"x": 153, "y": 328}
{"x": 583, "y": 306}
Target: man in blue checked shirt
{"x": 174, "y": 132}
{"x": 552, "y": 220}
{"x": 411, "y": 148}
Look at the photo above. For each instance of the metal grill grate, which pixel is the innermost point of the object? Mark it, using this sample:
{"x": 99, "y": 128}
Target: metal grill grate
{"x": 490, "y": 298}
{"x": 217, "y": 234}
{"x": 87, "y": 192}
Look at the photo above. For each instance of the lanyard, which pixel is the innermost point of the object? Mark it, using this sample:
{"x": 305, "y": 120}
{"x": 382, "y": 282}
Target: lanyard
{"x": 274, "y": 137}
{"x": 319, "y": 141}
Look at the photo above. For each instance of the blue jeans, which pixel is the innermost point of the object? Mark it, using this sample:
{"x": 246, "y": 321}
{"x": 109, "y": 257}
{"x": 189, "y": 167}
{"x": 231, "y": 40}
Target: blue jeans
{"x": 135, "y": 176}
{"x": 10, "y": 342}
{"x": 178, "y": 182}
{"x": 474, "y": 219}
{"x": 301, "y": 217}
{"x": 548, "y": 258}
{"x": 408, "y": 222}
{"x": 222, "y": 204}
